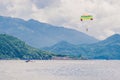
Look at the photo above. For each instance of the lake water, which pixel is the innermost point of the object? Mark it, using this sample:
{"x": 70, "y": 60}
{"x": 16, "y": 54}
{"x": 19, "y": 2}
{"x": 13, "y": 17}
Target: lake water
{"x": 60, "y": 70}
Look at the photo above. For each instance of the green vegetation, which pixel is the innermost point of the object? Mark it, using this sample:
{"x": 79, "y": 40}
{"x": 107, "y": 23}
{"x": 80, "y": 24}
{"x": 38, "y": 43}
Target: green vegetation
{"x": 13, "y": 48}
{"x": 106, "y": 49}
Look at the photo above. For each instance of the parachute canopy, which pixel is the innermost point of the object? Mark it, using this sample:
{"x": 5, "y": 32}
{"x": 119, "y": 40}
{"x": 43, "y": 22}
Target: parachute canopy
{"x": 86, "y": 17}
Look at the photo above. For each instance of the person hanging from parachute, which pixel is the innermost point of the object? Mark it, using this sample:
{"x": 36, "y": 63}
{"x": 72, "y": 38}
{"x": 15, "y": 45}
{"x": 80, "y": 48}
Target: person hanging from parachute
{"x": 85, "y": 18}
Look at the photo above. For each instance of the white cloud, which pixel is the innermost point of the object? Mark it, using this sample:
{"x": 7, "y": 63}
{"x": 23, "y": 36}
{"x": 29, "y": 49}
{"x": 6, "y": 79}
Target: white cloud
{"x": 16, "y": 8}
{"x": 67, "y": 13}
{"x": 46, "y": 3}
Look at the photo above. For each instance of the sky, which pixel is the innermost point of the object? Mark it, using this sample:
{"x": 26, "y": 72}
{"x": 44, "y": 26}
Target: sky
{"x": 67, "y": 13}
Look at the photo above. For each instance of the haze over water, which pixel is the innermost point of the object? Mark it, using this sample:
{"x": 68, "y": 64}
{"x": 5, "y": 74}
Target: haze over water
{"x": 60, "y": 70}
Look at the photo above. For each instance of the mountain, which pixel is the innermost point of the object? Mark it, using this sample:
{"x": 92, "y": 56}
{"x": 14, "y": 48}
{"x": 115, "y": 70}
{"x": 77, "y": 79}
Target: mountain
{"x": 114, "y": 39}
{"x": 38, "y": 34}
{"x": 65, "y": 48}
{"x": 62, "y": 48}
{"x": 13, "y": 48}
{"x": 106, "y": 49}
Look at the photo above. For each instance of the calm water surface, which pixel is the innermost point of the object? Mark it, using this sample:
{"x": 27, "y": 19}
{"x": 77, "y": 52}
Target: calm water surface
{"x": 60, "y": 70}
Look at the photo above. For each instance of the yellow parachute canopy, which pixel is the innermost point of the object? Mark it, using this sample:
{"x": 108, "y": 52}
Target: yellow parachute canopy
{"x": 86, "y": 17}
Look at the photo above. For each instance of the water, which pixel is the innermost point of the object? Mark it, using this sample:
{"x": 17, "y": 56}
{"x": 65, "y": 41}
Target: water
{"x": 60, "y": 70}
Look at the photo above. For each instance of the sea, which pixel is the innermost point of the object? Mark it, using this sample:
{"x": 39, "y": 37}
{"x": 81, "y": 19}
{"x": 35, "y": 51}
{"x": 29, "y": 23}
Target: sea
{"x": 60, "y": 70}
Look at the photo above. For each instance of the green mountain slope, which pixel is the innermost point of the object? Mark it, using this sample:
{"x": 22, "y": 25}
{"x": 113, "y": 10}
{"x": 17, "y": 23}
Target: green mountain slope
{"x": 13, "y": 48}
{"x": 106, "y": 49}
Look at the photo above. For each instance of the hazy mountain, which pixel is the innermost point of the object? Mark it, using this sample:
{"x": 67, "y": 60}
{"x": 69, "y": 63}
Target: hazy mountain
{"x": 39, "y": 34}
{"x": 13, "y": 48}
{"x": 63, "y": 48}
{"x": 106, "y": 49}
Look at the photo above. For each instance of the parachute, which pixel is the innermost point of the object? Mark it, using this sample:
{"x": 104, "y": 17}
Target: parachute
{"x": 86, "y": 18}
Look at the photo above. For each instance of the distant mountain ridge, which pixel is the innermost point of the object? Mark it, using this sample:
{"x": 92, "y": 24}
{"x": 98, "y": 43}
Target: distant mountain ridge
{"x": 106, "y": 49}
{"x": 38, "y": 34}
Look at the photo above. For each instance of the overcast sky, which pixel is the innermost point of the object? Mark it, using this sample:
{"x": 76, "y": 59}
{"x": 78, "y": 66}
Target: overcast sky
{"x": 67, "y": 13}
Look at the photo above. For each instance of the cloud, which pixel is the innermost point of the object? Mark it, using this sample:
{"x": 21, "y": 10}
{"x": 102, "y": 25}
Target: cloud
{"x": 67, "y": 13}
{"x": 17, "y": 8}
{"x": 46, "y": 3}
